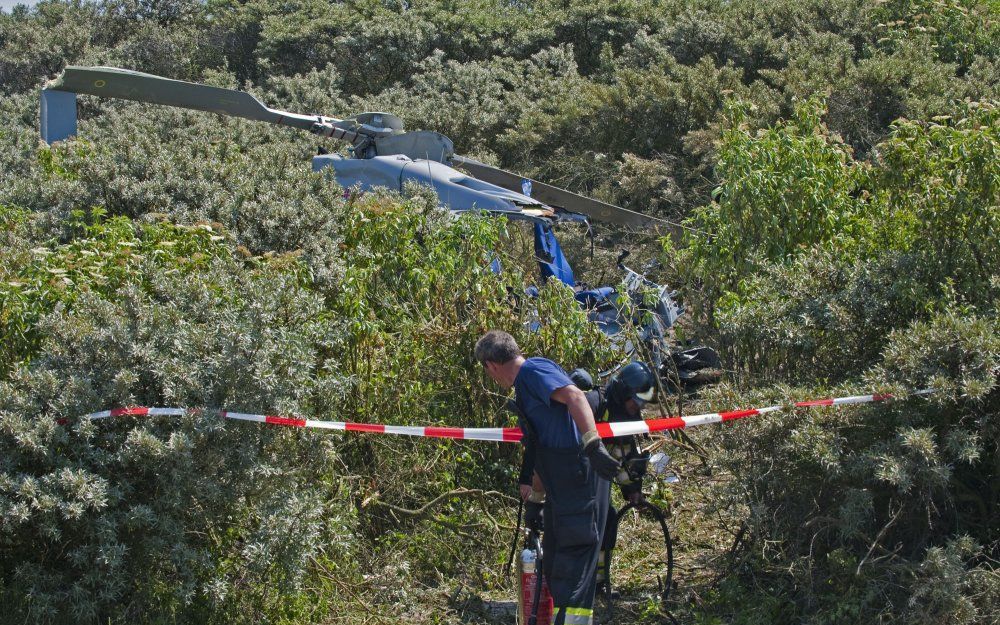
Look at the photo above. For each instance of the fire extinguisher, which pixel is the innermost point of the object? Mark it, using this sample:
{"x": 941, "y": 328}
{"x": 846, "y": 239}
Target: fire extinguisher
{"x": 534, "y": 603}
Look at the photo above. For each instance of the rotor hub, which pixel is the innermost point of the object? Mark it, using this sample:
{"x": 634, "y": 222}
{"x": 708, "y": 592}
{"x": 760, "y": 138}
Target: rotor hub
{"x": 381, "y": 120}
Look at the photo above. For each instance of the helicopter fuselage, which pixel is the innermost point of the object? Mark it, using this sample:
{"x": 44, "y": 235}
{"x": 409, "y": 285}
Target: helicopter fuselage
{"x": 456, "y": 190}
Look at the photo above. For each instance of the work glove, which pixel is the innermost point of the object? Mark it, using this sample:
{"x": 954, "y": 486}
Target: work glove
{"x": 602, "y": 462}
{"x": 533, "y": 515}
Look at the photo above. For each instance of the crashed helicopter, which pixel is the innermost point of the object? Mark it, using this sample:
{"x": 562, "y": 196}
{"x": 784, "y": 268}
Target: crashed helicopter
{"x": 384, "y": 155}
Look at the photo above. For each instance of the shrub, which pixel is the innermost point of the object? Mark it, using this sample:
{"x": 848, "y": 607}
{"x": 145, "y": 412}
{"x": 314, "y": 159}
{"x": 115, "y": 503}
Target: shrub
{"x": 105, "y": 520}
{"x": 859, "y": 509}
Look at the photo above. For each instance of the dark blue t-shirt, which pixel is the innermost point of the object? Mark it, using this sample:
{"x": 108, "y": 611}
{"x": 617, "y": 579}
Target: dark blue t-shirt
{"x": 534, "y": 385}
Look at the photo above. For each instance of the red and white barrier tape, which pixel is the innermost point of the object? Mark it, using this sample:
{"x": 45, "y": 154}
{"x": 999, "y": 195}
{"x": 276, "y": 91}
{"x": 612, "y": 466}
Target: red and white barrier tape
{"x": 507, "y": 435}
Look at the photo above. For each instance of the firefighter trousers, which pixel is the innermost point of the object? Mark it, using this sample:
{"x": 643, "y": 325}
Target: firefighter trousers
{"x": 576, "y": 509}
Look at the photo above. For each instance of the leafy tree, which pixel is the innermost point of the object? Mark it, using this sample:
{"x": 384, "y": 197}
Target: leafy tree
{"x": 783, "y": 190}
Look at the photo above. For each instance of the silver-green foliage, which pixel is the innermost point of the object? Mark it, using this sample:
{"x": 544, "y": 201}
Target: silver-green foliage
{"x": 107, "y": 519}
{"x": 137, "y": 160}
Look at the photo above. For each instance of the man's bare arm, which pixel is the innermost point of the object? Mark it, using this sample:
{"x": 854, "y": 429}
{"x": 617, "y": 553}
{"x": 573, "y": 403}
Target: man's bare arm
{"x": 578, "y": 406}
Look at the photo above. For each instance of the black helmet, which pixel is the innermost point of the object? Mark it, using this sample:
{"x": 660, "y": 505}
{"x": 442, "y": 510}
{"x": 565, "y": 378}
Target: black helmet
{"x": 582, "y": 379}
{"x": 635, "y": 381}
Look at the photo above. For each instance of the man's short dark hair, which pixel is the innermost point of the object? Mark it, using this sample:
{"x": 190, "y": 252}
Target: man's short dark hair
{"x": 496, "y": 346}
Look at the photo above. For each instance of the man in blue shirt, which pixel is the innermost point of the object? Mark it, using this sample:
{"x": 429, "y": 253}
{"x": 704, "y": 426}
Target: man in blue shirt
{"x": 572, "y": 469}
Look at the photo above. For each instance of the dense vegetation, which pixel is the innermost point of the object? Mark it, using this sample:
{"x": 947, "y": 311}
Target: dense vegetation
{"x": 836, "y": 163}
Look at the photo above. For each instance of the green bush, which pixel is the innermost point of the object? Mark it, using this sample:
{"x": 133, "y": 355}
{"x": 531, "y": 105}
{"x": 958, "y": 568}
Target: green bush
{"x": 105, "y": 520}
{"x": 936, "y": 194}
{"x": 819, "y": 319}
{"x": 858, "y": 510}
{"x": 783, "y": 191}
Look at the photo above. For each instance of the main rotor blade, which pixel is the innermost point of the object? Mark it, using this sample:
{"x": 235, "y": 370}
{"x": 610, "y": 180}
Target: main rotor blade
{"x": 595, "y": 209}
{"x": 110, "y": 82}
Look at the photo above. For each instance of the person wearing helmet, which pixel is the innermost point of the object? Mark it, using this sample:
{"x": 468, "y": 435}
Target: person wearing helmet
{"x": 571, "y": 473}
{"x": 624, "y": 398}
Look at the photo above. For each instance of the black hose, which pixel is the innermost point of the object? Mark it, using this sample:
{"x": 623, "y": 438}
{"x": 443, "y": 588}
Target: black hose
{"x": 658, "y": 515}
{"x": 513, "y": 544}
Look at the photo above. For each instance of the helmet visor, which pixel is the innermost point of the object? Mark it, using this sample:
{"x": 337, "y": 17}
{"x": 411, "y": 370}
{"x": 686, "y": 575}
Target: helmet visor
{"x": 644, "y": 397}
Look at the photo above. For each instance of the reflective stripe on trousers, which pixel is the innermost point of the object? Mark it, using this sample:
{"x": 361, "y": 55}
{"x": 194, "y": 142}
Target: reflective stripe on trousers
{"x": 575, "y": 616}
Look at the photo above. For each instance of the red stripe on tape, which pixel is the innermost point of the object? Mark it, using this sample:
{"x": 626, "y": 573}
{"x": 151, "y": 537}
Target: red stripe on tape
{"x": 882, "y": 396}
{"x": 365, "y": 427}
{"x": 738, "y": 414}
{"x": 512, "y": 435}
{"x": 815, "y": 402}
{"x": 671, "y": 423}
{"x": 292, "y": 421}
{"x": 604, "y": 429}
{"x": 444, "y": 432}
{"x": 134, "y": 411}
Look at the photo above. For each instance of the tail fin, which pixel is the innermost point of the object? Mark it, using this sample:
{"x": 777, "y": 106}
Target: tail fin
{"x": 58, "y": 115}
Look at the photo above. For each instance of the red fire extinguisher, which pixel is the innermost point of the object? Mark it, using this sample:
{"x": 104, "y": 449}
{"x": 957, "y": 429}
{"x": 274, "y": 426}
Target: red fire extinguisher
{"x": 533, "y": 586}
